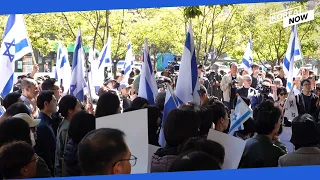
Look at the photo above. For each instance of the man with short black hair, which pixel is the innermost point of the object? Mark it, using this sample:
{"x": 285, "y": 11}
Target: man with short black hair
{"x": 14, "y": 109}
{"x": 46, "y": 142}
{"x": 11, "y": 98}
{"x": 52, "y": 84}
{"x": 105, "y": 152}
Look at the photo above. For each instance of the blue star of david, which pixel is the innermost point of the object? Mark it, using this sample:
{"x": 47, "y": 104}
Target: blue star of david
{"x": 7, "y": 52}
{"x": 73, "y": 88}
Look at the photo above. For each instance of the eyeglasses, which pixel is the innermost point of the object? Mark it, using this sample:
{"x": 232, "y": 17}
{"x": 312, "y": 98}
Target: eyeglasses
{"x": 307, "y": 85}
{"x": 132, "y": 160}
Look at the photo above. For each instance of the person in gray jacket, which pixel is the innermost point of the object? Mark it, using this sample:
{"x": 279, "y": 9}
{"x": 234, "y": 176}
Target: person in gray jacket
{"x": 306, "y": 139}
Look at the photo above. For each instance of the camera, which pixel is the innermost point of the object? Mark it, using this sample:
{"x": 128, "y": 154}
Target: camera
{"x": 265, "y": 89}
{"x": 234, "y": 83}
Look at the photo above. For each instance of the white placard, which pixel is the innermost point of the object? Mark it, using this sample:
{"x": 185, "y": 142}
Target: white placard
{"x": 152, "y": 150}
{"x": 233, "y": 148}
{"x": 135, "y": 125}
{"x": 298, "y": 19}
{"x": 279, "y": 16}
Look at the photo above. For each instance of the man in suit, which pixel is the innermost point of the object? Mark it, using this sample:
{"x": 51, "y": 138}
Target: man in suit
{"x": 306, "y": 139}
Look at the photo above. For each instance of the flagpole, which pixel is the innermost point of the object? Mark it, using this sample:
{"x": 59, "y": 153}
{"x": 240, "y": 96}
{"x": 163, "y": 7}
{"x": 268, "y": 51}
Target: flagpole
{"x": 29, "y": 42}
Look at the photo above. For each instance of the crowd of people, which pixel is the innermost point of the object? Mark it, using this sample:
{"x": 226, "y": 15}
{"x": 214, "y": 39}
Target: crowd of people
{"x": 44, "y": 133}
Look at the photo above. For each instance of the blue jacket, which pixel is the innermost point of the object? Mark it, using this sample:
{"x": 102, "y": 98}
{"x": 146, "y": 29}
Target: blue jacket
{"x": 71, "y": 159}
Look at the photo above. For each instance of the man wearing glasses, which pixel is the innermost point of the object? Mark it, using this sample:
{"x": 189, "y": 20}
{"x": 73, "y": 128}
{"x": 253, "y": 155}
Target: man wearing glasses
{"x": 105, "y": 152}
{"x": 307, "y": 101}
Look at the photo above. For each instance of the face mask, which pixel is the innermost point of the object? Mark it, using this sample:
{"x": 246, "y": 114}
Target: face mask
{"x": 32, "y": 137}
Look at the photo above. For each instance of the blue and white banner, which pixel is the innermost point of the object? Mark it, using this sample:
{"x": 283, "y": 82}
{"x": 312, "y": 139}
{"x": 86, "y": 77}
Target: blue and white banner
{"x": 241, "y": 113}
{"x": 247, "y": 58}
{"x": 127, "y": 67}
{"x": 63, "y": 68}
{"x": 288, "y": 62}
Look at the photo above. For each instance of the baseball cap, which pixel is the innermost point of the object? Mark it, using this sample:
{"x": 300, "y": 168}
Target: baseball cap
{"x": 32, "y": 122}
{"x": 122, "y": 86}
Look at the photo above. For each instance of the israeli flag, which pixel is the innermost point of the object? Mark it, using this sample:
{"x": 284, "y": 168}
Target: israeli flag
{"x": 247, "y": 58}
{"x": 240, "y": 115}
{"x": 99, "y": 65}
{"x": 15, "y": 44}
{"x": 148, "y": 88}
{"x": 127, "y": 66}
{"x": 188, "y": 87}
{"x": 78, "y": 84}
{"x": 63, "y": 68}
{"x": 297, "y": 49}
{"x": 171, "y": 103}
{"x": 288, "y": 62}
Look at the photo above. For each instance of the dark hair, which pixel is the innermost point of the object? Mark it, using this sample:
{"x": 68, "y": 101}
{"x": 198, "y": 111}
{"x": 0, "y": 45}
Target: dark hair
{"x": 180, "y": 125}
{"x": 108, "y": 104}
{"x": 10, "y": 99}
{"x": 14, "y": 129}
{"x": 160, "y": 100}
{"x": 67, "y": 103}
{"x": 203, "y": 90}
{"x": 44, "y": 96}
{"x": 81, "y": 124}
{"x": 266, "y": 117}
{"x": 17, "y": 108}
{"x": 99, "y": 148}
{"x": 270, "y": 76}
{"x": 48, "y": 84}
{"x": 206, "y": 116}
{"x": 219, "y": 110}
{"x": 13, "y": 157}
{"x": 281, "y": 89}
{"x": 194, "y": 161}
{"x": 139, "y": 102}
{"x": 249, "y": 127}
{"x": 305, "y": 80}
{"x": 202, "y": 144}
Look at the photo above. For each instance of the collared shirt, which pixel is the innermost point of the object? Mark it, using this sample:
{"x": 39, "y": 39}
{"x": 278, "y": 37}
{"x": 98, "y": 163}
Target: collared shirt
{"x": 26, "y": 101}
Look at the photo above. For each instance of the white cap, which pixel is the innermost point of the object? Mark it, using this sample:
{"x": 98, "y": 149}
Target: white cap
{"x": 32, "y": 122}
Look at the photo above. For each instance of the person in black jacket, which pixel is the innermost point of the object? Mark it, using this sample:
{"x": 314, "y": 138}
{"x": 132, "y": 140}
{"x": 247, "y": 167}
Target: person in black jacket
{"x": 81, "y": 124}
{"x": 307, "y": 101}
{"x": 52, "y": 84}
{"x": 260, "y": 151}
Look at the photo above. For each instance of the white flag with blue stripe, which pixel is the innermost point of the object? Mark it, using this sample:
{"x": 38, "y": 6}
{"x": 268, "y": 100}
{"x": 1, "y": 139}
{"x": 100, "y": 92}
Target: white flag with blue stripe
{"x": 148, "y": 88}
{"x": 63, "y": 68}
{"x": 78, "y": 84}
{"x": 297, "y": 49}
{"x": 240, "y": 115}
{"x": 99, "y": 65}
{"x": 15, "y": 44}
{"x": 247, "y": 58}
{"x": 288, "y": 62}
{"x": 170, "y": 103}
{"x": 127, "y": 66}
{"x": 188, "y": 87}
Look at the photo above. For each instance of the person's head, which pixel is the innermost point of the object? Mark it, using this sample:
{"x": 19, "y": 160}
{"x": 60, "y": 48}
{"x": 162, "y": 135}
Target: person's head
{"x": 47, "y": 102}
{"x": 297, "y": 80}
{"x": 81, "y": 124}
{"x": 108, "y": 104}
{"x": 17, "y": 108}
{"x": 124, "y": 89}
{"x": 11, "y": 98}
{"x": 180, "y": 125}
{"x": 29, "y": 88}
{"x": 282, "y": 93}
{"x": 306, "y": 85}
{"x": 69, "y": 106}
{"x": 110, "y": 83}
{"x": 52, "y": 84}
{"x": 278, "y": 82}
{"x": 203, "y": 95}
{"x": 14, "y": 129}
{"x": 234, "y": 69}
{"x": 139, "y": 102}
{"x": 194, "y": 161}
{"x": 160, "y": 100}
{"x": 18, "y": 160}
{"x": 221, "y": 118}
{"x": 202, "y": 144}
{"x": 247, "y": 80}
{"x": 305, "y": 131}
{"x": 267, "y": 118}
{"x": 205, "y": 114}
{"x": 105, "y": 152}
{"x": 270, "y": 76}
{"x": 255, "y": 67}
